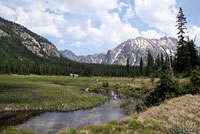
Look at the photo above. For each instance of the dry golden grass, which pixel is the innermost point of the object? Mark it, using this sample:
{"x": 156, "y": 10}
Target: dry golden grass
{"x": 143, "y": 82}
{"x": 126, "y": 79}
{"x": 183, "y": 80}
{"x": 181, "y": 113}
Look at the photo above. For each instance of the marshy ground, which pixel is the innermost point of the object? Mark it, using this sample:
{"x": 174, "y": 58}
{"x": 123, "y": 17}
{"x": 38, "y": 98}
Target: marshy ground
{"x": 60, "y": 93}
{"x": 175, "y": 116}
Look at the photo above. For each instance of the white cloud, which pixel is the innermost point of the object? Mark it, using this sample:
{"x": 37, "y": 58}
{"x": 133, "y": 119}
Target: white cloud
{"x": 193, "y": 32}
{"x": 61, "y": 42}
{"x": 39, "y": 21}
{"x": 115, "y": 30}
{"x": 77, "y": 44}
{"x": 129, "y": 13}
{"x": 47, "y": 30}
{"x": 76, "y": 32}
{"x": 111, "y": 32}
{"x": 82, "y": 6}
{"x": 6, "y": 12}
{"x": 160, "y": 14}
{"x": 121, "y": 5}
{"x": 151, "y": 34}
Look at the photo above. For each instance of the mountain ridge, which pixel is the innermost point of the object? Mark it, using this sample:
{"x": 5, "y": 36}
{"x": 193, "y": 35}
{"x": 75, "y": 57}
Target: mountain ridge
{"x": 18, "y": 34}
{"x": 132, "y": 49}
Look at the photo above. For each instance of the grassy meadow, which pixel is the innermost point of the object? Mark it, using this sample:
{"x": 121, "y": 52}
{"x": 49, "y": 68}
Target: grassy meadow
{"x": 65, "y": 93}
{"x": 48, "y": 93}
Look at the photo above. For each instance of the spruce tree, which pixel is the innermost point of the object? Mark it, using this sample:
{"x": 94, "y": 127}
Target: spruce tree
{"x": 150, "y": 64}
{"x": 193, "y": 53}
{"x": 181, "y": 21}
{"x": 158, "y": 62}
{"x": 127, "y": 67}
{"x": 141, "y": 67}
{"x": 183, "y": 63}
{"x": 162, "y": 60}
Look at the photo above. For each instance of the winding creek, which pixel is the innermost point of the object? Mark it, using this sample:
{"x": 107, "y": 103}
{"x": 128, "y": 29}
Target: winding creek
{"x": 51, "y": 122}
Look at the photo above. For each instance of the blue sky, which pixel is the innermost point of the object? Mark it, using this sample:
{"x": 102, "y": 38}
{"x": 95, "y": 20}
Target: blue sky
{"x": 94, "y": 26}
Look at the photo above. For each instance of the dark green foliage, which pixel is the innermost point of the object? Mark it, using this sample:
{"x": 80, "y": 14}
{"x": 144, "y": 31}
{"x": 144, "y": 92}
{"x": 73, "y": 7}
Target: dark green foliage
{"x": 158, "y": 62}
{"x": 167, "y": 88}
{"x": 195, "y": 80}
{"x": 128, "y": 67}
{"x": 150, "y": 64}
{"x": 105, "y": 84}
{"x": 193, "y": 54}
{"x": 141, "y": 67}
{"x": 181, "y": 21}
{"x": 162, "y": 59}
{"x": 193, "y": 87}
{"x": 183, "y": 61}
{"x": 186, "y": 57}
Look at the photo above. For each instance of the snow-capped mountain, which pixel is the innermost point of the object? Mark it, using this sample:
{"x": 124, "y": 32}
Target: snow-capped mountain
{"x": 133, "y": 49}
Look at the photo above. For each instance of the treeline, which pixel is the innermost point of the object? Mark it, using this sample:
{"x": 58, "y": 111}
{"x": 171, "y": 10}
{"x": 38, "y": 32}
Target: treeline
{"x": 14, "y": 60}
{"x": 63, "y": 67}
{"x": 183, "y": 63}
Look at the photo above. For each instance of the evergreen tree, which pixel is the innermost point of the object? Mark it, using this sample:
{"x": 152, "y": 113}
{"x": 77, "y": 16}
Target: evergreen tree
{"x": 166, "y": 88}
{"x": 193, "y": 53}
{"x": 128, "y": 67}
{"x": 141, "y": 67}
{"x": 181, "y": 27}
{"x": 183, "y": 62}
{"x": 150, "y": 64}
{"x": 162, "y": 60}
{"x": 158, "y": 62}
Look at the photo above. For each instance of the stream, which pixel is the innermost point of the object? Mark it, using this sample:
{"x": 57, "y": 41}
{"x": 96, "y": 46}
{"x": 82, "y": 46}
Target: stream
{"x": 51, "y": 122}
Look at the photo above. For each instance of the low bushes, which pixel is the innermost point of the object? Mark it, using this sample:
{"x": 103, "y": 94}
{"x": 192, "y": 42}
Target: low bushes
{"x": 168, "y": 88}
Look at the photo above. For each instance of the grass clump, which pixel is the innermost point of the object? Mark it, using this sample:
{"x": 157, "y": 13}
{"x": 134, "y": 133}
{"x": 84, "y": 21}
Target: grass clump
{"x": 13, "y": 131}
{"x": 55, "y": 93}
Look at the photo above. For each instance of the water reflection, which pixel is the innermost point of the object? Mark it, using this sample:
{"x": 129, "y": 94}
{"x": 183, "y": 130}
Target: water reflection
{"x": 15, "y": 118}
{"x": 51, "y": 122}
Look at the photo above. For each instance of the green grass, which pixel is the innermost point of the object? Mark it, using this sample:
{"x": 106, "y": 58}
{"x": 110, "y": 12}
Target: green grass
{"x": 60, "y": 93}
{"x": 48, "y": 93}
{"x": 178, "y": 113}
{"x": 13, "y": 131}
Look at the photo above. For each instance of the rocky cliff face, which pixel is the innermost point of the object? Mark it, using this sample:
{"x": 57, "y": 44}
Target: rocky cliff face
{"x": 132, "y": 49}
{"x": 33, "y": 42}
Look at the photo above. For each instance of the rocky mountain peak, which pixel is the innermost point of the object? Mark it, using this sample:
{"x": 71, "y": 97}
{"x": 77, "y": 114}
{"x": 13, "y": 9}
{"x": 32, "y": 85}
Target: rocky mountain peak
{"x": 133, "y": 49}
{"x": 33, "y": 42}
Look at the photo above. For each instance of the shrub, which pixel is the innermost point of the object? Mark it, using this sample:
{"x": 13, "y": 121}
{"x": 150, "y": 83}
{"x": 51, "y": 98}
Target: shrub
{"x": 193, "y": 87}
{"x": 167, "y": 88}
{"x": 105, "y": 84}
{"x": 195, "y": 78}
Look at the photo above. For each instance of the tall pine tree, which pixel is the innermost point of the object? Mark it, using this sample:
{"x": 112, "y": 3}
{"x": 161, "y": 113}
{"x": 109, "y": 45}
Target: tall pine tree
{"x": 183, "y": 63}
{"x": 186, "y": 57}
